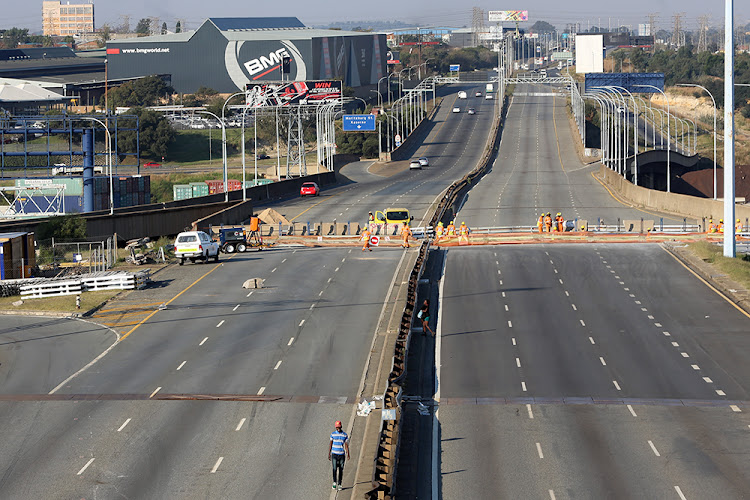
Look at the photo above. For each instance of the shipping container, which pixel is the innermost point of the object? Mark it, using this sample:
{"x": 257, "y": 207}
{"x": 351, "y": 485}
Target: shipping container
{"x": 182, "y": 192}
{"x": 199, "y": 189}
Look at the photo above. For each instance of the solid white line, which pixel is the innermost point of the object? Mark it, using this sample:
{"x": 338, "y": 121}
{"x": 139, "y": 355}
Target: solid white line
{"x": 617, "y": 386}
{"x": 592, "y": 340}
{"x": 290, "y": 341}
{"x": 123, "y": 425}
{"x": 679, "y": 492}
{"x": 552, "y": 495}
{"x": 277, "y": 365}
{"x": 656, "y": 452}
{"x": 735, "y": 408}
{"x": 518, "y": 362}
{"x": 531, "y": 414}
{"x": 302, "y": 322}
{"x": 513, "y": 340}
{"x": 720, "y": 392}
{"x": 695, "y": 367}
{"x": 261, "y": 390}
{"x": 154, "y": 393}
{"x": 249, "y": 294}
{"x": 539, "y": 450}
{"x": 632, "y": 411}
{"x": 220, "y": 323}
{"x": 181, "y": 365}
{"x": 239, "y": 426}
{"x": 85, "y": 467}
{"x": 236, "y": 307}
{"x": 510, "y": 325}
{"x": 582, "y": 323}
{"x": 218, "y": 463}
{"x": 523, "y": 386}
{"x": 602, "y": 360}
{"x": 203, "y": 341}
{"x": 574, "y": 307}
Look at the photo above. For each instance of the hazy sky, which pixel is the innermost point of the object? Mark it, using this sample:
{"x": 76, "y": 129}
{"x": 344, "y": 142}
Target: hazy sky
{"x": 28, "y": 13}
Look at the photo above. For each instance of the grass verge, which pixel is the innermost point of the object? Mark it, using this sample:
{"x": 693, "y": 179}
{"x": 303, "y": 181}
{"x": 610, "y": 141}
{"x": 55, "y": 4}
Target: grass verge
{"x": 737, "y": 269}
{"x": 63, "y": 304}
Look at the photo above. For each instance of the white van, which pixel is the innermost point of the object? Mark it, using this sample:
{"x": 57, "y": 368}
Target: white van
{"x": 462, "y": 94}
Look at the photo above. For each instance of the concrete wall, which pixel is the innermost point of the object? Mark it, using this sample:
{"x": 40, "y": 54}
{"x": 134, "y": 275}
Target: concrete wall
{"x": 407, "y": 148}
{"x": 687, "y": 206}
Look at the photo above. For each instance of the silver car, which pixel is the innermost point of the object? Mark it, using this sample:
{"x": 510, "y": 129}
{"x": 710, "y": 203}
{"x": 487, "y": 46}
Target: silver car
{"x": 415, "y": 165}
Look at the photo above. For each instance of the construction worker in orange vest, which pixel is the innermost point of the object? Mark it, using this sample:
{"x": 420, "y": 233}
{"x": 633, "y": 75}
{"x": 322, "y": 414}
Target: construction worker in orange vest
{"x": 720, "y": 227}
{"x": 366, "y": 234}
{"x": 559, "y": 222}
{"x": 738, "y": 226}
{"x": 405, "y": 233}
{"x": 548, "y": 222}
{"x": 540, "y": 223}
{"x": 451, "y": 229}
{"x": 711, "y": 226}
{"x": 463, "y": 234}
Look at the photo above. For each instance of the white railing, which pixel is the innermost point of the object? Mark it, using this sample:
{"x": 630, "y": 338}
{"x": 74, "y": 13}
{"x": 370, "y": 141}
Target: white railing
{"x": 40, "y": 288}
{"x": 47, "y": 288}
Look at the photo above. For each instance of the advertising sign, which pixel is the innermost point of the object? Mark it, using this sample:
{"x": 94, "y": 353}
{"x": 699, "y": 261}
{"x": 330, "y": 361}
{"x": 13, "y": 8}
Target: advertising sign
{"x": 359, "y": 123}
{"x": 291, "y": 93}
{"x": 393, "y": 57}
{"x": 508, "y": 15}
{"x": 455, "y": 67}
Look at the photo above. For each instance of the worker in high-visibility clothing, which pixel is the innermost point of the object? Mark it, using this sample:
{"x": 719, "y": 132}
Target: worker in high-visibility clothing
{"x": 738, "y": 226}
{"x": 463, "y": 234}
{"x": 720, "y": 227}
{"x": 540, "y": 223}
{"x": 451, "y": 229}
{"x": 559, "y": 221}
{"x": 548, "y": 222}
{"x": 439, "y": 230}
{"x": 405, "y": 233}
{"x": 711, "y": 226}
{"x": 366, "y": 234}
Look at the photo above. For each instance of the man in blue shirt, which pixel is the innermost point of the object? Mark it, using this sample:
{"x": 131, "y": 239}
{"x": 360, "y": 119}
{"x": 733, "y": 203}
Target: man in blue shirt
{"x": 338, "y": 452}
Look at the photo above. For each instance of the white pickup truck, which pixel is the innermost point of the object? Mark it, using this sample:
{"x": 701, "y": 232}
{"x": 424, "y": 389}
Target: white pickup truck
{"x": 195, "y": 245}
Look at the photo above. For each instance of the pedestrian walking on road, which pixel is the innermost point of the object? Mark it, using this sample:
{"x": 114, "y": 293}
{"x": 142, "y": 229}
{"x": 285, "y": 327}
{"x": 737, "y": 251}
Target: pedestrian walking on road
{"x": 338, "y": 452}
{"x": 366, "y": 234}
{"x": 424, "y": 316}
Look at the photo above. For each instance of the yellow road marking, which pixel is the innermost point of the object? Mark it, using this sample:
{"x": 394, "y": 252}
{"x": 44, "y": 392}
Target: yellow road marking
{"x": 117, "y": 324}
{"x": 708, "y": 284}
{"x": 557, "y": 139}
{"x": 126, "y": 308}
{"x": 171, "y": 300}
{"x": 124, "y": 314}
{"x": 318, "y": 203}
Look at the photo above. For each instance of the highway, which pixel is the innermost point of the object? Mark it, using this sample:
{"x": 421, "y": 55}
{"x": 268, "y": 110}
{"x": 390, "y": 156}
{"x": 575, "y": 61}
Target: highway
{"x": 287, "y": 359}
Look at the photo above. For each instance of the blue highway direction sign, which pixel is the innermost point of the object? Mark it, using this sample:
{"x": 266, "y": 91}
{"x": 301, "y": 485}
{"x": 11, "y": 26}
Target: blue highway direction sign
{"x": 359, "y": 123}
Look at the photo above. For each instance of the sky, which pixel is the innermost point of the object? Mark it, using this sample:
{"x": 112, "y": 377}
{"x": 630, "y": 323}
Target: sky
{"x": 28, "y": 13}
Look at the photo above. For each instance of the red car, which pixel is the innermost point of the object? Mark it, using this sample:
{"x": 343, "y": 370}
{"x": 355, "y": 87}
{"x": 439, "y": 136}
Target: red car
{"x": 309, "y": 188}
{"x": 151, "y": 164}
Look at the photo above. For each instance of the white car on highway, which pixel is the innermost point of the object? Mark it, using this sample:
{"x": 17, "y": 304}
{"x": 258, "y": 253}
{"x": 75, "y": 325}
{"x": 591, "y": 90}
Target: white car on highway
{"x": 424, "y": 161}
{"x": 195, "y": 245}
{"x": 456, "y": 109}
{"x": 415, "y": 165}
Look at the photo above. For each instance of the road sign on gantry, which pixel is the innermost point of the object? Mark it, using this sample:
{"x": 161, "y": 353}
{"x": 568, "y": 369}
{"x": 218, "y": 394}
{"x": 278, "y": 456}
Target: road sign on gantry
{"x": 359, "y": 123}
{"x": 455, "y": 67}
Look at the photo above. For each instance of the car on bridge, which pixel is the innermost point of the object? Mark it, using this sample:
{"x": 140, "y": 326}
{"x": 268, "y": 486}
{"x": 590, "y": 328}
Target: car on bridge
{"x": 424, "y": 161}
{"x": 488, "y": 96}
{"x": 394, "y": 216}
{"x": 478, "y": 94}
{"x": 195, "y": 245}
{"x": 462, "y": 94}
{"x": 415, "y": 165}
{"x": 471, "y": 111}
{"x": 456, "y": 109}
{"x": 309, "y": 189}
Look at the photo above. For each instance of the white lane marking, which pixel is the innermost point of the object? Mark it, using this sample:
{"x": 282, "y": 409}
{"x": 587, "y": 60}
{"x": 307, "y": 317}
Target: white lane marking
{"x": 236, "y": 307}
{"x": 239, "y": 426}
{"x": 249, "y": 294}
{"x": 626, "y": 289}
{"x": 513, "y": 340}
{"x": 666, "y": 334}
{"x": 216, "y": 466}
{"x": 552, "y": 495}
{"x": 650, "y": 316}
{"x": 735, "y": 408}
{"x": 656, "y": 452}
{"x": 302, "y": 322}
{"x": 617, "y": 386}
{"x": 602, "y": 360}
{"x": 679, "y": 492}
{"x": 181, "y": 365}
{"x": 283, "y": 261}
{"x": 506, "y": 307}
{"x": 675, "y": 344}
{"x": 501, "y": 282}
{"x": 518, "y": 362}
{"x": 657, "y": 325}
{"x": 336, "y": 270}
{"x": 561, "y": 281}
{"x": 720, "y": 392}
{"x": 498, "y": 271}
{"x": 555, "y": 271}
{"x": 123, "y": 425}
{"x": 510, "y": 325}
{"x": 85, "y": 467}
{"x": 574, "y": 307}
{"x": 551, "y": 262}
{"x": 330, "y": 279}
{"x": 220, "y": 323}
{"x": 290, "y": 341}
{"x": 582, "y": 323}
{"x": 685, "y": 355}
{"x": 695, "y": 367}
{"x": 273, "y": 270}
{"x": 321, "y": 293}
{"x": 312, "y": 307}
{"x": 523, "y": 386}
{"x": 531, "y": 414}
{"x": 539, "y": 450}
{"x": 567, "y": 294}
{"x": 617, "y": 277}
{"x": 644, "y": 309}
{"x": 592, "y": 340}
{"x": 278, "y": 363}
{"x": 203, "y": 341}
{"x": 261, "y": 390}
{"x": 632, "y": 411}
{"x": 503, "y": 294}
{"x": 343, "y": 260}
{"x": 632, "y": 295}
{"x": 497, "y": 263}
{"x": 154, "y": 393}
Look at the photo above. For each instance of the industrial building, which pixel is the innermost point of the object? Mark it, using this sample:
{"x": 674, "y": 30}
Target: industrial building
{"x": 67, "y": 19}
{"x": 225, "y": 54}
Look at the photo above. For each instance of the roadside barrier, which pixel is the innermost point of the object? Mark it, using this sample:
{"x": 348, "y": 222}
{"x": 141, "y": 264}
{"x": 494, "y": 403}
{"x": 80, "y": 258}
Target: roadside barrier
{"x": 107, "y": 280}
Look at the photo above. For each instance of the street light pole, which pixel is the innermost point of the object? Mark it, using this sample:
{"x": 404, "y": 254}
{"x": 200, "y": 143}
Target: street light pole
{"x": 729, "y": 244}
{"x": 669, "y": 136}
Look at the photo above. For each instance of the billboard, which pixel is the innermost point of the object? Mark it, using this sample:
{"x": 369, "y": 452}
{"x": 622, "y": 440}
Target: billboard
{"x": 392, "y": 57}
{"x": 589, "y": 54}
{"x": 359, "y": 123}
{"x": 508, "y": 15}
{"x": 628, "y": 81}
{"x": 292, "y": 93}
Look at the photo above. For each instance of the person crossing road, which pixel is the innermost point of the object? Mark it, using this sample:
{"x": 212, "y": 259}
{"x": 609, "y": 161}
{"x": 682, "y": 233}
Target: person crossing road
{"x": 405, "y": 233}
{"x": 366, "y": 234}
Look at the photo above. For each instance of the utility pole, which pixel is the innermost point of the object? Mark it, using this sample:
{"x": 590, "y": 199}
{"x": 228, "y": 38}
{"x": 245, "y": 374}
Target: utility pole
{"x": 677, "y": 29}
{"x": 703, "y": 35}
{"x": 652, "y": 27}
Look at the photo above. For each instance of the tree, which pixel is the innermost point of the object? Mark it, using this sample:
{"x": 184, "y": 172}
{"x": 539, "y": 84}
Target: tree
{"x": 142, "y": 92}
{"x": 542, "y": 27}
{"x": 105, "y": 33}
{"x": 14, "y": 36}
{"x": 155, "y": 134}
{"x": 65, "y": 227}
{"x": 143, "y": 28}
{"x": 164, "y": 28}
{"x": 178, "y": 27}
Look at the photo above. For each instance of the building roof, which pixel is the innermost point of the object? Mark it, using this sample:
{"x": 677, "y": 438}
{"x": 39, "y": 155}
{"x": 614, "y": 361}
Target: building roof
{"x": 254, "y": 23}
{"x": 36, "y": 53}
{"x": 24, "y": 91}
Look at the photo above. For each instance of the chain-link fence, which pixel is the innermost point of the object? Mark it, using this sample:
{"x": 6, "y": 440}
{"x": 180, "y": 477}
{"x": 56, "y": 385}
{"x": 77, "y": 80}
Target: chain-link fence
{"x": 60, "y": 258}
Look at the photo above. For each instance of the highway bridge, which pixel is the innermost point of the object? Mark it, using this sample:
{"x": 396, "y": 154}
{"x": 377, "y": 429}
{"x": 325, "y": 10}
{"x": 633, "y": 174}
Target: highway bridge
{"x": 558, "y": 371}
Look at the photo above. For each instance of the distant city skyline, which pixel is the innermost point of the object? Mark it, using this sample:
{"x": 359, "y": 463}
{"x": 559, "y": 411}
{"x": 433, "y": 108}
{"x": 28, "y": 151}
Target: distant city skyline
{"x": 416, "y": 12}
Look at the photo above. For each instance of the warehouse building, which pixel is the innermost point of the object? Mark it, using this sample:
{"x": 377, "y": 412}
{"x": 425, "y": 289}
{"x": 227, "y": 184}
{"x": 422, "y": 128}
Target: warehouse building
{"x": 225, "y": 54}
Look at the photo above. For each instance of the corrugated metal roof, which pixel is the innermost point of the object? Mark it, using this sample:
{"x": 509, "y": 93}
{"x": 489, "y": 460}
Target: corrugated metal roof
{"x": 172, "y": 37}
{"x": 25, "y": 91}
{"x": 255, "y": 23}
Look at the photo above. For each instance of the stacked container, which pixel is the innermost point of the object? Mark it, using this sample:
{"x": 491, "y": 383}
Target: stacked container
{"x": 128, "y": 191}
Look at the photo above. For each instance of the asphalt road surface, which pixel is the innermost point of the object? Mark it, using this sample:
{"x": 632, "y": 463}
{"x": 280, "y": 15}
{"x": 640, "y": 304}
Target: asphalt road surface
{"x": 299, "y": 346}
